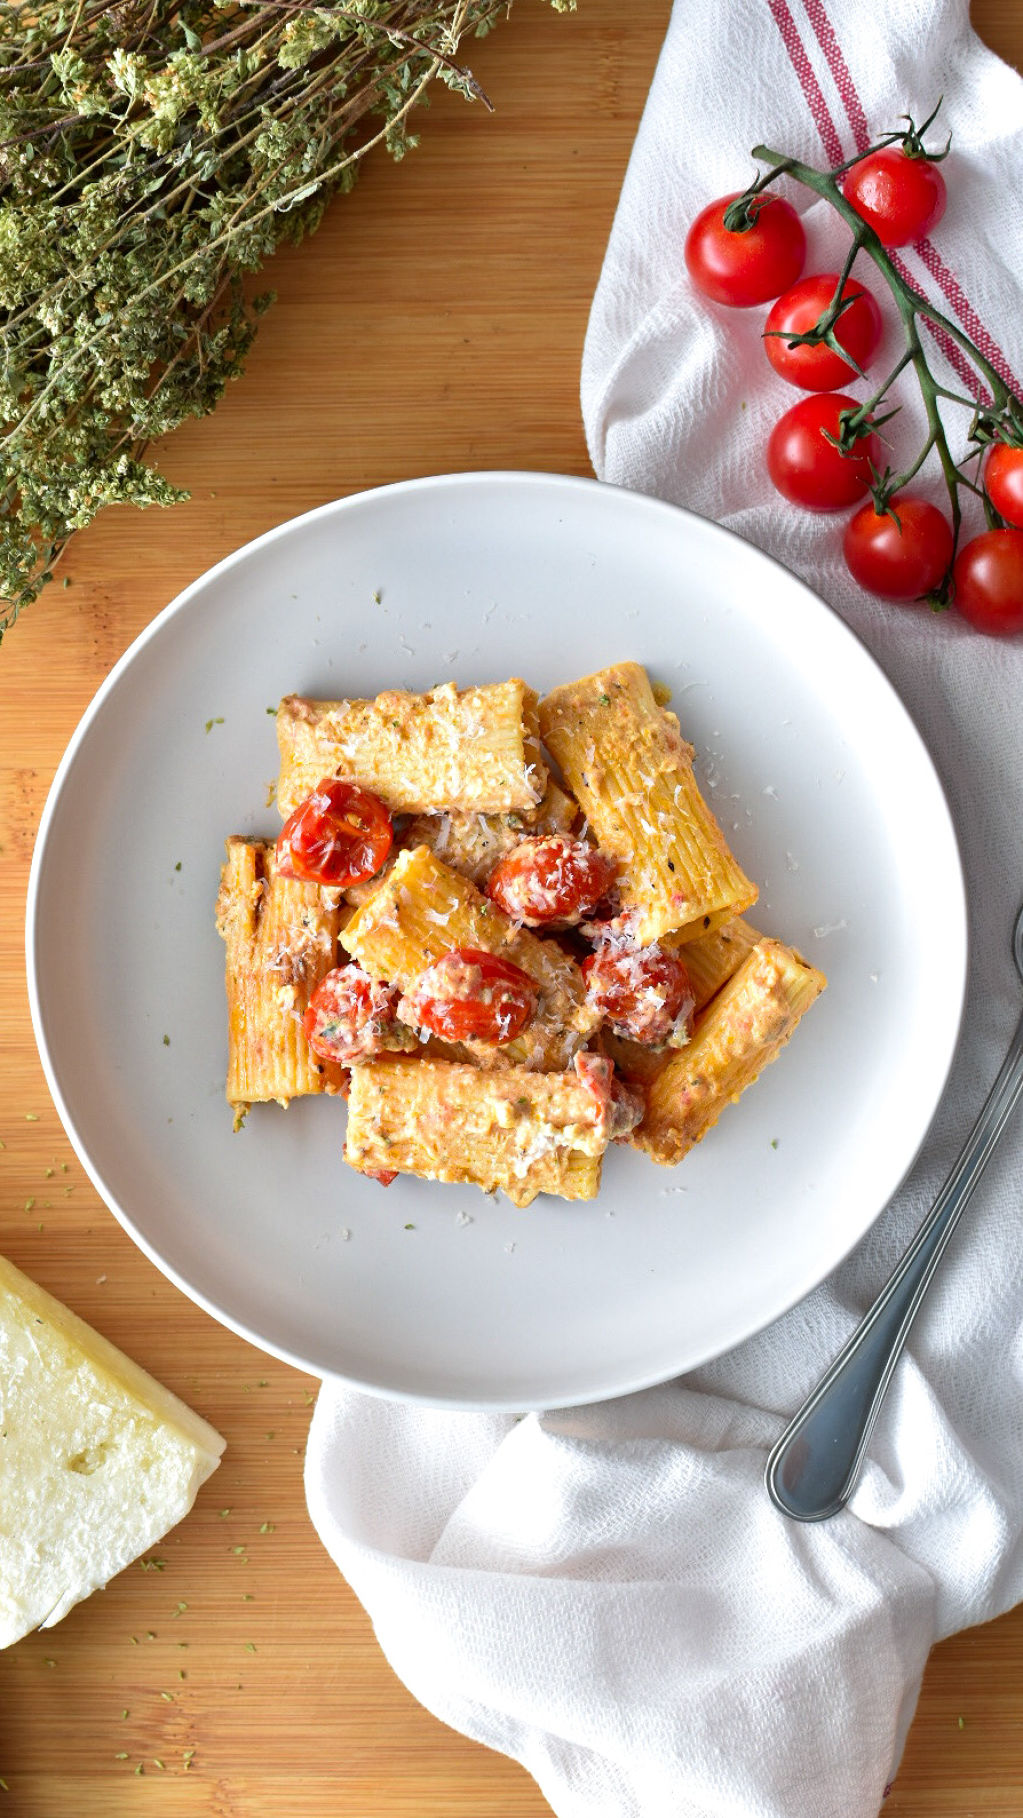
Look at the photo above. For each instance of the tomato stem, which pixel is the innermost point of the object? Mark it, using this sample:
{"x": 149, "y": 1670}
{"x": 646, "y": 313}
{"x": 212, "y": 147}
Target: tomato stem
{"x": 996, "y": 417}
{"x": 872, "y": 403}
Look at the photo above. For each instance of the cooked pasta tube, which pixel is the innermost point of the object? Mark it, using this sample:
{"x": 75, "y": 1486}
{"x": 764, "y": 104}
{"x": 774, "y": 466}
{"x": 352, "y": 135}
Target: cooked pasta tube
{"x": 626, "y": 762}
{"x": 423, "y": 910}
{"x": 281, "y": 938}
{"x": 476, "y": 751}
{"x": 711, "y": 959}
{"x": 522, "y": 1132}
{"x": 743, "y": 1028}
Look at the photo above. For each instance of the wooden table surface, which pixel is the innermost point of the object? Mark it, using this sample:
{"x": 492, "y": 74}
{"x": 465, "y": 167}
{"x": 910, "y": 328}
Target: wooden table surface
{"x": 434, "y": 323}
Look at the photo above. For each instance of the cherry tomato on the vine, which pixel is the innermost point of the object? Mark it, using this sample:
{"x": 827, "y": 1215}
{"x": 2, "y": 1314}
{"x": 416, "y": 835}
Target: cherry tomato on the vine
{"x": 988, "y": 579}
{"x": 807, "y": 468}
{"x": 469, "y": 994}
{"x": 339, "y": 835}
{"x": 1003, "y": 477}
{"x": 752, "y": 266}
{"x": 902, "y": 553}
{"x": 819, "y": 368}
{"x": 551, "y": 878}
{"x": 900, "y": 196}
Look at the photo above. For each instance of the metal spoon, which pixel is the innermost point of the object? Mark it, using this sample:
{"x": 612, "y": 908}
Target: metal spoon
{"x": 812, "y": 1471}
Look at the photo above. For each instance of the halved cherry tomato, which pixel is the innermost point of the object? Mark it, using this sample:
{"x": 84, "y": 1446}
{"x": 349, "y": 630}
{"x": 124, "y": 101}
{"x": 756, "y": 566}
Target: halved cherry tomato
{"x": 471, "y": 995}
{"x": 748, "y": 267}
{"x": 642, "y": 992}
{"x": 551, "y": 878}
{"x": 339, "y": 835}
{"x": 1003, "y": 477}
{"x": 902, "y": 553}
{"x": 899, "y": 196}
{"x": 351, "y": 1017}
{"x": 810, "y": 470}
{"x": 817, "y": 367}
{"x": 988, "y": 581}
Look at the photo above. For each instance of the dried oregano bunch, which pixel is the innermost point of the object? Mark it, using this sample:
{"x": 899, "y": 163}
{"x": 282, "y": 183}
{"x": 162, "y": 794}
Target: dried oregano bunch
{"x": 151, "y": 155}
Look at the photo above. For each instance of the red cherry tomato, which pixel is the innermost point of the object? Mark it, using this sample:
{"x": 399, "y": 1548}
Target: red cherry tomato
{"x": 810, "y": 470}
{"x": 1003, "y": 477}
{"x": 899, "y": 196}
{"x": 351, "y": 1017}
{"x": 988, "y": 578}
{"x": 819, "y": 368}
{"x": 901, "y": 554}
{"x": 749, "y": 267}
{"x": 469, "y": 994}
{"x": 642, "y": 993}
{"x": 339, "y": 835}
{"x": 550, "y": 878}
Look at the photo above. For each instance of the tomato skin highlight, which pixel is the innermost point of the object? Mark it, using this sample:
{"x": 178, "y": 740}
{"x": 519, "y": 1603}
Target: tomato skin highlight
{"x": 551, "y": 878}
{"x": 899, "y": 564}
{"x": 642, "y": 993}
{"x": 339, "y": 835}
{"x": 809, "y": 470}
{"x": 900, "y": 197}
{"x": 740, "y": 269}
{"x": 819, "y": 368}
{"x": 1003, "y": 477}
{"x": 988, "y": 582}
{"x": 471, "y": 995}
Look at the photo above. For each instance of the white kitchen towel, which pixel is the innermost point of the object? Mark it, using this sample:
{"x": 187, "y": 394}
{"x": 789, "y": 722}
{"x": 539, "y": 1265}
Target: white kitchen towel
{"x": 607, "y": 1594}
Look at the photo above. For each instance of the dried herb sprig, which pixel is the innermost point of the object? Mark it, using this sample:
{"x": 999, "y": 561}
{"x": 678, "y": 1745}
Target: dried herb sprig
{"x": 152, "y": 155}
{"x": 996, "y": 410}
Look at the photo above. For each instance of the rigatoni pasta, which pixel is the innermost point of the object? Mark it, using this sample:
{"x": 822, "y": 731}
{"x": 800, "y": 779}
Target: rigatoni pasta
{"x": 423, "y": 909}
{"x": 281, "y": 940}
{"x": 475, "y": 751}
{"x": 523, "y": 1132}
{"x": 742, "y": 1029}
{"x": 510, "y": 971}
{"x": 624, "y": 759}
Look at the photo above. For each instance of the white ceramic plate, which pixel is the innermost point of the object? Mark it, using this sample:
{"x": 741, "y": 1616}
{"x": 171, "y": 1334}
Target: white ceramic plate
{"x": 820, "y": 781}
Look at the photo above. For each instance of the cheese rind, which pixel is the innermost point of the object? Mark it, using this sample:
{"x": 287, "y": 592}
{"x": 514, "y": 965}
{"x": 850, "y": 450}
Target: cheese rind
{"x": 97, "y": 1460}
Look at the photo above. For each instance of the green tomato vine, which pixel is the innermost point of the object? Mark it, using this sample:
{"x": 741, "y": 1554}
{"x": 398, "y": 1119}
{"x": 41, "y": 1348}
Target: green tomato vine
{"x": 996, "y": 417}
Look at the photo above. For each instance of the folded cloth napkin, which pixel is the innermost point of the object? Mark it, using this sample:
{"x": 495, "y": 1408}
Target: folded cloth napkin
{"x": 607, "y": 1594}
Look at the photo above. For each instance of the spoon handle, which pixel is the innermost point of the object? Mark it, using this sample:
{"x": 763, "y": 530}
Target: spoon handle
{"x": 812, "y": 1471}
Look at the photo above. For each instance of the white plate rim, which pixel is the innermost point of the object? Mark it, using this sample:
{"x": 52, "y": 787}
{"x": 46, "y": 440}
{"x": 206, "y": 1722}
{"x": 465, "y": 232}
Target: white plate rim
{"x": 457, "y": 479}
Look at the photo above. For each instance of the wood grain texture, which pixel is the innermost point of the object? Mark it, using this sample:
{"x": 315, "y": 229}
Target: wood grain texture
{"x": 435, "y": 323}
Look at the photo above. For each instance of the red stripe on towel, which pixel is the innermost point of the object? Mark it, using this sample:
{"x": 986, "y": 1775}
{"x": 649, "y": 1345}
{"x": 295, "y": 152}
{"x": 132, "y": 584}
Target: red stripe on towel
{"x": 808, "y": 82}
{"x": 946, "y": 280}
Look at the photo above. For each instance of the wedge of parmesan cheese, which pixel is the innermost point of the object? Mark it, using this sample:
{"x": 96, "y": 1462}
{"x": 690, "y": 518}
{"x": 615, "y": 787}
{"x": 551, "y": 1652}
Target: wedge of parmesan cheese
{"x": 97, "y": 1460}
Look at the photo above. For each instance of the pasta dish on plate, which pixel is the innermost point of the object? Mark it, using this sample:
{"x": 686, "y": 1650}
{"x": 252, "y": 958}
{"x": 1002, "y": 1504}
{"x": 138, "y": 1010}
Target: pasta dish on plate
{"x": 508, "y": 930}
